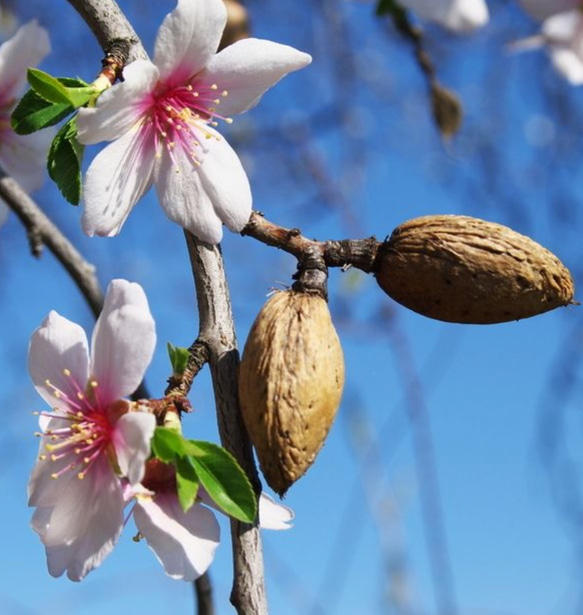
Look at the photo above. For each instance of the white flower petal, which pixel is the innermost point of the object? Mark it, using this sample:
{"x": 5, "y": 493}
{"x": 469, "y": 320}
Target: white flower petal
{"x": 568, "y": 63}
{"x": 123, "y": 341}
{"x": 225, "y": 182}
{"x": 58, "y": 344}
{"x": 188, "y": 37}
{"x": 247, "y": 69}
{"x": 26, "y": 48}
{"x": 132, "y": 436}
{"x": 120, "y": 107}
{"x": 84, "y": 525}
{"x": 541, "y": 9}
{"x": 184, "y": 543}
{"x": 116, "y": 179}
{"x": 456, "y": 15}
{"x": 274, "y": 516}
{"x": 185, "y": 200}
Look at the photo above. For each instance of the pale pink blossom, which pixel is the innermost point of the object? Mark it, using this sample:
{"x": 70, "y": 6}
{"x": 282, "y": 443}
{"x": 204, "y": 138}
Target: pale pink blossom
{"x": 92, "y": 437}
{"x": 561, "y": 35}
{"x": 185, "y": 542}
{"x": 456, "y": 15}
{"x": 161, "y": 120}
{"x": 24, "y": 157}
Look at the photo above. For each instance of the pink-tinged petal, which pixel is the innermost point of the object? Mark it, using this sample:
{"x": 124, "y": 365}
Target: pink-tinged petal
{"x": 58, "y": 345}
{"x": 247, "y": 69}
{"x": 43, "y": 489}
{"x": 132, "y": 436}
{"x": 274, "y": 516}
{"x": 184, "y": 198}
{"x": 26, "y": 48}
{"x": 24, "y": 157}
{"x": 116, "y": 179}
{"x": 119, "y": 108}
{"x": 123, "y": 341}
{"x": 188, "y": 38}
{"x": 184, "y": 543}
{"x": 85, "y": 523}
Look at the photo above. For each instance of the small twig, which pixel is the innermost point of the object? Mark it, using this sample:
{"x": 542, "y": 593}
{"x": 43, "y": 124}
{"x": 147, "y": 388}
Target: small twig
{"x": 198, "y": 355}
{"x": 359, "y": 253}
{"x": 42, "y": 232}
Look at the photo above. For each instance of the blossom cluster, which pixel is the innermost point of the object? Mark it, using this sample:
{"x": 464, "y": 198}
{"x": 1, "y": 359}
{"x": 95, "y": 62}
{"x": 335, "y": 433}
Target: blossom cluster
{"x": 95, "y": 444}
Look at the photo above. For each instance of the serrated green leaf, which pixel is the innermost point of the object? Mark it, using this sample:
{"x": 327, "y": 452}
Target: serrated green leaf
{"x": 34, "y": 113}
{"x": 187, "y": 482}
{"x": 64, "y": 162}
{"x": 47, "y": 86}
{"x": 167, "y": 444}
{"x": 60, "y": 90}
{"x": 222, "y": 477}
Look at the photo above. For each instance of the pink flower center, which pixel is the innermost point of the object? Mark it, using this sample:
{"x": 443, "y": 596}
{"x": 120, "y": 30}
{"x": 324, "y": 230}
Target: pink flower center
{"x": 180, "y": 117}
{"x": 84, "y": 430}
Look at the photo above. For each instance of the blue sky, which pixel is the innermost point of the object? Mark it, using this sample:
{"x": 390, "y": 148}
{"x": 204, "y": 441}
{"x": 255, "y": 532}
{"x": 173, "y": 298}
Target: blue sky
{"x": 345, "y": 148}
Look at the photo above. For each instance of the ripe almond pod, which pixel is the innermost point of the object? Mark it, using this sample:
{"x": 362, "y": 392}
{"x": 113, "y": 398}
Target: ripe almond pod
{"x": 466, "y": 270}
{"x": 290, "y": 384}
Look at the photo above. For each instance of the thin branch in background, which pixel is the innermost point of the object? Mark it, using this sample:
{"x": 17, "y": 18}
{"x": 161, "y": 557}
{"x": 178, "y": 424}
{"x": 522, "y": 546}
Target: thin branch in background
{"x": 425, "y": 464}
{"x": 42, "y": 232}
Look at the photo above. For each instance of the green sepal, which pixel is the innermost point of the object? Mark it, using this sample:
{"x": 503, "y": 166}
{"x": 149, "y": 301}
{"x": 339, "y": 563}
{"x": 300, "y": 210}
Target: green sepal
{"x": 178, "y": 358}
{"x": 224, "y": 480}
{"x": 64, "y": 161}
{"x": 33, "y": 113}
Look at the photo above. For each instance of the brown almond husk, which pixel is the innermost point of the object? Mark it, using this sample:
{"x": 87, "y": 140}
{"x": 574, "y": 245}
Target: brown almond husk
{"x": 290, "y": 384}
{"x": 466, "y": 270}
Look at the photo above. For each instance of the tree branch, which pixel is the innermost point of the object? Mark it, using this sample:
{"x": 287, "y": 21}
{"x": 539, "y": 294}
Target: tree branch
{"x": 110, "y": 26}
{"x": 41, "y": 231}
{"x": 359, "y": 253}
{"x": 217, "y": 332}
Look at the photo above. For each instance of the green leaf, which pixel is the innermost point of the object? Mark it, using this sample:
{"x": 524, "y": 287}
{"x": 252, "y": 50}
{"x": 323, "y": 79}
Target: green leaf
{"x": 64, "y": 162}
{"x": 47, "y": 86}
{"x": 167, "y": 444}
{"x": 187, "y": 483}
{"x": 63, "y": 90}
{"x": 224, "y": 480}
{"x": 34, "y": 112}
{"x": 178, "y": 358}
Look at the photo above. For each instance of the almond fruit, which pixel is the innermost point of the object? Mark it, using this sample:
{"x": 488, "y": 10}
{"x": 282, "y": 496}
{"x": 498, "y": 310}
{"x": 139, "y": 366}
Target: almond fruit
{"x": 466, "y": 270}
{"x": 290, "y": 384}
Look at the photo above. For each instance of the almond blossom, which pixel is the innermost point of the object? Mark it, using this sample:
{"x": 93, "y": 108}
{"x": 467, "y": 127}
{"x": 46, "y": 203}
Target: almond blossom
{"x": 161, "y": 123}
{"x": 21, "y": 156}
{"x": 561, "y": 34}
{"x": 185, "y": 542}
{"x": 457, "y": 15}
{"x": 92, "y": 437}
